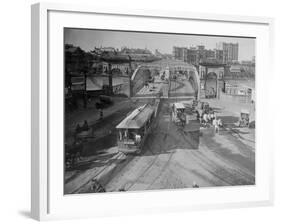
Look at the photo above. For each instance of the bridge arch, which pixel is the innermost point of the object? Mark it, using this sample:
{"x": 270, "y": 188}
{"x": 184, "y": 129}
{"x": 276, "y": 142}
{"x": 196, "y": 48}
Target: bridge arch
{"x": 138, "y": 79}
{"x": 211, "y": 84}
{"x": 208, "y": 70}
{"x": 194, "y": 80}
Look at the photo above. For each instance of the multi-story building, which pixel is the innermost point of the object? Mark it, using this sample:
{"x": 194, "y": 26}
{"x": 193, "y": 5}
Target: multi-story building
{"x": 192, "y": 55}
{"x": 210, "y": 54}
{"x": 224, "y": 53}
{"x": 219, "y": 55}
{"x": 179, "y": 53}
{"x": 201, "y": 53}
{"x": 230, "y": 51}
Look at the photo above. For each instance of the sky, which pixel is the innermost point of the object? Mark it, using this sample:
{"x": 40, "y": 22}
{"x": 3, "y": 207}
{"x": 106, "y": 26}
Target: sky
{"x": 89, "y": 39}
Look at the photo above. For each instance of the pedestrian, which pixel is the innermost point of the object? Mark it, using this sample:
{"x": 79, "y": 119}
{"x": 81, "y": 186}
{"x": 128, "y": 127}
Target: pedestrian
{"x": 197, "y": 114}
{"x": 205, "y": 119}
{"x": 209, "y": 118}
{"x": 215, "y": 123}
{"x": 219, "y": 123}
{"x": 212, "y": 116}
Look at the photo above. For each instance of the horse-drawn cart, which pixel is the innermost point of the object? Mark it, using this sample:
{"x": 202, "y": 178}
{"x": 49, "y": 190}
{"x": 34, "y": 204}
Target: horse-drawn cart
{"x": 244, "y": 118}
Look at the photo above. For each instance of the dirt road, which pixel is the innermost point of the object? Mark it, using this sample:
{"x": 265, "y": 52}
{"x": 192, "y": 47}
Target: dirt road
{"x": 175, "y": 157}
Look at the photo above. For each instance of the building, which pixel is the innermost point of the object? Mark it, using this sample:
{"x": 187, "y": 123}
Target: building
{"x": 192, "y": 56}
{"x": 223, "y": 53}
{"x": 219, "y": 55}
{"x": 235, "y": 71}
{"x": 230, "y": 51}
{"x": 201, "y": 53}
{"x": 179, "y": 53}
{"x": 210, "y": 54}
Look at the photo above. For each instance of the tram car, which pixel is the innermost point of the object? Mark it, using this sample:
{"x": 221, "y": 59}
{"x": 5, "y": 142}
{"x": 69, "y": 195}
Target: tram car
{"x": 134, "y": 129}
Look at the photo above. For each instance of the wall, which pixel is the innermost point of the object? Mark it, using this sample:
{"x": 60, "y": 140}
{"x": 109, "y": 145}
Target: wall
{"x": 15, "y": 112}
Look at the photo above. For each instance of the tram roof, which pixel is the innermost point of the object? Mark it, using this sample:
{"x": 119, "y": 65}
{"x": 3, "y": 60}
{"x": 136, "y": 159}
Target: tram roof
{"x": 137, "y": 118}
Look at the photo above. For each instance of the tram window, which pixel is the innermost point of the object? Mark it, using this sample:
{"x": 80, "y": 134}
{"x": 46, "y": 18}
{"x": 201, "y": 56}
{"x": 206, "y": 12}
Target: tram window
{"x": 120, "y": 135}
{"x": 126, "y": 133}
{"x": 132, "y": 135}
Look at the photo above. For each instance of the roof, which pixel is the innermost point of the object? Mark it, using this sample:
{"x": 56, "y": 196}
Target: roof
{"x": 137, "y": 118}
{"x": 179, "y": 105}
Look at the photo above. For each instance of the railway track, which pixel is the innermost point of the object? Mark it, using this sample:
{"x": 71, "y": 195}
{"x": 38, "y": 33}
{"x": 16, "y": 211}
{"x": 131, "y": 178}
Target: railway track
{"x": 156, "y": 155}
{"x": 97, "y": 174}
{"x": 151, "y": 164}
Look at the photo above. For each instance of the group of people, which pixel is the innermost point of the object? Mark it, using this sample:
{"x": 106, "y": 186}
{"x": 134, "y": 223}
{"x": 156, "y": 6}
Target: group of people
{"x": 210, "y": 118}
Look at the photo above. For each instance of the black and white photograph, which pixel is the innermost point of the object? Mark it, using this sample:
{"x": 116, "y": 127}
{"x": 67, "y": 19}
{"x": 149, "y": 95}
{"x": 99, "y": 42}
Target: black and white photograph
{"x": 157, "y": 111}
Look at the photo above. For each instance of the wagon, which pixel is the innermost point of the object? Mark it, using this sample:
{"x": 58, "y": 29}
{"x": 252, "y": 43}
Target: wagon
{"x": 244, "y": 118}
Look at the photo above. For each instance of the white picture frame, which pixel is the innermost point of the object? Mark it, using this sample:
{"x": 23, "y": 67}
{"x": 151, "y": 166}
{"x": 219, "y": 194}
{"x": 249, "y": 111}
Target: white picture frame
{"x": 47, "y": 201}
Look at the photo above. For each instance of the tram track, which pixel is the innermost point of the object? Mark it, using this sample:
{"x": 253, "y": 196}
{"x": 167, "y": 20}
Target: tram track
{"x": 156, "y": 155}
{"x": 152, "y": 163}
{"x": 95, "y": 176}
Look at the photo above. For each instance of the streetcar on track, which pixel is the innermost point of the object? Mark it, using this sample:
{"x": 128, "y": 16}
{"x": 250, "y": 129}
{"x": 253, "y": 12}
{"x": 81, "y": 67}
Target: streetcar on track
{"x": 134, "y": 129}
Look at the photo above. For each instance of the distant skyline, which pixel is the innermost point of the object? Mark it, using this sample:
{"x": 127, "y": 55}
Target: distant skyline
{"x": 89, "y": 39}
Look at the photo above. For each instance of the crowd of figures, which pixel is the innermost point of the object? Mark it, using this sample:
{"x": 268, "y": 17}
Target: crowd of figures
{"x": 208, "y": 118}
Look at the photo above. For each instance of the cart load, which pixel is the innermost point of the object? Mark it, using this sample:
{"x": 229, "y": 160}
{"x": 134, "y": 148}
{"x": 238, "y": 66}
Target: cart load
{"x": 244, "y": 118}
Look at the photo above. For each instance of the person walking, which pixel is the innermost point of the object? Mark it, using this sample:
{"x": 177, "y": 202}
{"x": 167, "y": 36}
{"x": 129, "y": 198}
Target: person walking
{"x": 219, "y": 123}
{"x": 205, "y": 119}
{"x": 212, "y": 116}
{"x": 209, "y": 118}
{"x": 216, "y": 125}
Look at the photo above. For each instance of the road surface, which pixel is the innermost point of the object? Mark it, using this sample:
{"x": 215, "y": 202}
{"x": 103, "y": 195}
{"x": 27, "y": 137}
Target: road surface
{"x": 172, "y": 159}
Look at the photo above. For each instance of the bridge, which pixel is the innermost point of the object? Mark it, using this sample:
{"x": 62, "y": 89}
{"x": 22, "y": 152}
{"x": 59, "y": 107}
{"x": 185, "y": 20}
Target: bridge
{"x": 144, "y": 71}
{"x": 211, "y": 72}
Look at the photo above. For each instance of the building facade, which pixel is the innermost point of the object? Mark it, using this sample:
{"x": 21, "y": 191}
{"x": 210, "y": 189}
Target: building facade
{"x": 179, "y": 53}
{"x": 224, "y": 53}
{"x": 229, "y": 51}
